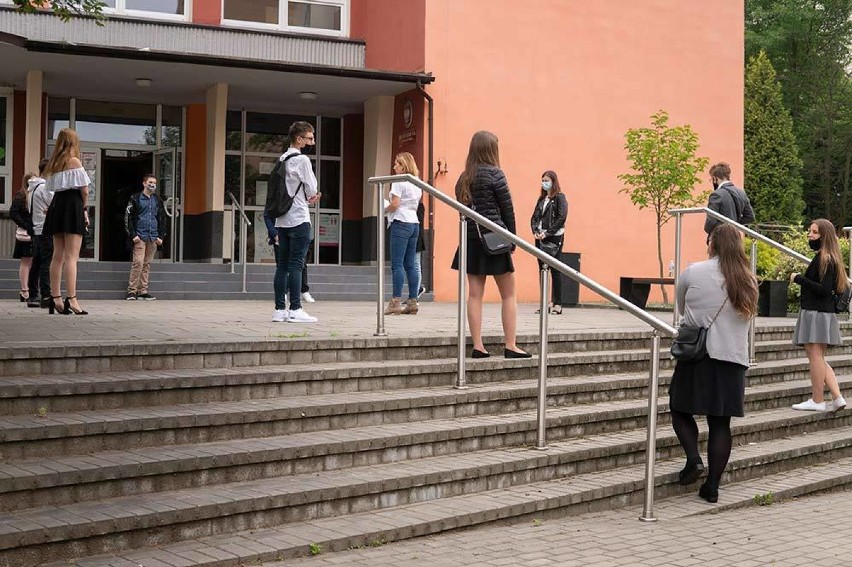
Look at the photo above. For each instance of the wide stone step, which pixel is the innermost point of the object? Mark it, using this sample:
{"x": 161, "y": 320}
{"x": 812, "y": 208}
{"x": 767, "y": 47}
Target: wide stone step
{"x": 106, "y": 474}
{"x": 567, "y": 493}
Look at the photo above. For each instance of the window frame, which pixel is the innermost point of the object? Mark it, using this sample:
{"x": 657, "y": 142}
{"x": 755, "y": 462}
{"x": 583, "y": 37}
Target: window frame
{"x": 283, "y": 26}
{"x": 6, "y": 170}
{"x": 122, "y": 10}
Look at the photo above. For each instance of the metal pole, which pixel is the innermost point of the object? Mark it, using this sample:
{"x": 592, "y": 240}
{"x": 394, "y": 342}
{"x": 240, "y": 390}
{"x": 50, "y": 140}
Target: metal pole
{"x": 244, "y": 249}
{"x": 848, "y": 231}
{"x": 678, "y": 235}
{"x": 541, "y": 441}
{"x": 752, "y": 347}
{"x": 461, "y": 381}
{"x": 380, "y": 261}
{"x": 234, "y": 240}
{"x": 651, "y": 443}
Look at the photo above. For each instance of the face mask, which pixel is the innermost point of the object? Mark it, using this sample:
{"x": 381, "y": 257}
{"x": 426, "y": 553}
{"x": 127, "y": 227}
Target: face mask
{"x": 546, "y": 185}
{"x": 715, "y": 185}
{"x": 815, "y": 244}
{"x": 307, "y": 149}
{"x": 151, "y": 188}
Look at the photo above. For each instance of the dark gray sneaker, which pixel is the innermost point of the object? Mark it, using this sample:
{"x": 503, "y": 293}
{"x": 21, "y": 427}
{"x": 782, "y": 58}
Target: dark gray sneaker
{"x": 131, "y": 297}
{"x": 145, "y": 297}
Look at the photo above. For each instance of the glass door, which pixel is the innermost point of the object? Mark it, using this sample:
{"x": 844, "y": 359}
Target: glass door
{"x": 165, "y": 166}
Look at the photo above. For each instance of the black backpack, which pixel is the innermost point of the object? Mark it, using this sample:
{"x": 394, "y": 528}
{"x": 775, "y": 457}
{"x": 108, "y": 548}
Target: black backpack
{"x": 841, "y": 300}
{"x": 278, "y": 199}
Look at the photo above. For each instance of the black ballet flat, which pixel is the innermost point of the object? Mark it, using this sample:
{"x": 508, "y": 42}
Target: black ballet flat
{"x": 515, "y": 354}
{"x": 479, "y": 354}
{"x": 709, "y": 494}
{"x": 691, "y": 473}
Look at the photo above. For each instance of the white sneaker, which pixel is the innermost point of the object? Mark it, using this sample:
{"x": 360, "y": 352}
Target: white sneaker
{"x": 836, "y": 404}
{"x": 280, "y": 315}
{"x": 810, "y": 405}
{"x": 307, "y": 297}
{"x": 301, "y": 316}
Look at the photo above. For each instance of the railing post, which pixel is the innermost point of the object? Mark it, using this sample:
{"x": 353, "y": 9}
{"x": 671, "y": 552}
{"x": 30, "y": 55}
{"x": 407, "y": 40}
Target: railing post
{"x": 752, "y": 332}
{"x": 461, "y": 380}
{"x": 541, "y": 441}
{"x": 380, "y": 261}
{"x": 244, "y": 248}
{"x": 676, "y": 275}
{"x": 234, "y": 239}
{"x": 651, "y": 443}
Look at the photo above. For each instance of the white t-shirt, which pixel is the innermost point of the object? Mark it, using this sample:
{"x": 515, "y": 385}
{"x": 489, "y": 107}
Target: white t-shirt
{"x": 409, "y": 197}
{"x": 299, "y": 170}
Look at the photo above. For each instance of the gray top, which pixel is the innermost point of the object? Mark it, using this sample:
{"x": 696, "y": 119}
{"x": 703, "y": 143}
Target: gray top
{"x": 700, "y": 293}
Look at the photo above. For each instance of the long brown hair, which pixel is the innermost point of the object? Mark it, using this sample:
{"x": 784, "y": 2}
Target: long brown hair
{"x": 726, "y": 243}
{"x": 556, "y": 189}
{"x": 483, "y": 151}
{"x": 829, "y": 253}
{"x": 67, "y": 146}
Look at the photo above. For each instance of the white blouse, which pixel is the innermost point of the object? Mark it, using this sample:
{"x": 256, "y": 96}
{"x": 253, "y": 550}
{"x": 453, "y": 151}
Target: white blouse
{"x": 68, "y": 179}
{"x": 409, "y": 198}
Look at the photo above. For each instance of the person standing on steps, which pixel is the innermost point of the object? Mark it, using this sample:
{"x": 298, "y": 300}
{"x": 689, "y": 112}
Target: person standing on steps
{"x": 21, "y": 215}
{"x": 817, "y": 326}
{"x": 548, "y": 227}
{"x": 726, "y": 199}
{"x": 40, "y": 199}
{"x": 145, "y": 223}
{"x": 719, "y": 294}
{"x": 404, "y": 229}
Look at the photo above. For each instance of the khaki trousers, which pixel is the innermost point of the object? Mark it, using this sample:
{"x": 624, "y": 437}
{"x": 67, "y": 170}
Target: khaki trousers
{"x": 143, "y": 253}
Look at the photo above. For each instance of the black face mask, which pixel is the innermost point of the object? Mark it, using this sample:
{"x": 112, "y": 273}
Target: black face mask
{"x": 307, "y": 149}
{"x": 715, "y": 186}
{"x": 815, "y": 244}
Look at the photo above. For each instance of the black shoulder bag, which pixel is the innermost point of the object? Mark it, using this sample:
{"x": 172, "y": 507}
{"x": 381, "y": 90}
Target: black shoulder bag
{"x": 690, "y": 345}
{"x": 492, "y": 243}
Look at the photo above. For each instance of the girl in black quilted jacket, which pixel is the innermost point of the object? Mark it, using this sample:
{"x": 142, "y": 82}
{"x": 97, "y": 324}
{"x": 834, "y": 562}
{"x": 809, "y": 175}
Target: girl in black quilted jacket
{"x": 483, "y": 187}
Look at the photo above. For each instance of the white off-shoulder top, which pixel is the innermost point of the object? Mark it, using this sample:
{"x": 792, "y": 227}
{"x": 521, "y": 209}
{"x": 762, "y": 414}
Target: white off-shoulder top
{"x": 68, "y": 179}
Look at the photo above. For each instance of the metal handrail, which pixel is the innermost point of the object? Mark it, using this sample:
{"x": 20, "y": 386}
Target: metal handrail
{"x": 548, "y": 262}
{"x": 244, "y": 224}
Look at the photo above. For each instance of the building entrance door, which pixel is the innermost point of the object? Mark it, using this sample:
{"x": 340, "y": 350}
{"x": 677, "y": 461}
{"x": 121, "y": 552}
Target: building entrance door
{"x": 121, "y": 177}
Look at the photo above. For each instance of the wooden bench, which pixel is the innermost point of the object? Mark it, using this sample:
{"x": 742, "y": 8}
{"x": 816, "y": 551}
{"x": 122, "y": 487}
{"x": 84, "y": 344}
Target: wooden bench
{"x": 636, "y": 290}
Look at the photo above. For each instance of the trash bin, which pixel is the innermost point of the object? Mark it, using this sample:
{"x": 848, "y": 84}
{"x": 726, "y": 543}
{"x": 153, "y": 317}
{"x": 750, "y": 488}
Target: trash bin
{"x": 570, "y": 294}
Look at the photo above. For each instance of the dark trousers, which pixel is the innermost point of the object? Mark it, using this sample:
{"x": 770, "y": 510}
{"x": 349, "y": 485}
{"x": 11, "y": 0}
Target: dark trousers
{"x": 556, "y": 277}
{"x": 305, "y": 287}
{"x": 39, "y": 281}
{"x": 293, "y": 249}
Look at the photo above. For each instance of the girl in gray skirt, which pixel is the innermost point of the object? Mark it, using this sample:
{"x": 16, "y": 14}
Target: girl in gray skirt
{"x": 817, "y": 326}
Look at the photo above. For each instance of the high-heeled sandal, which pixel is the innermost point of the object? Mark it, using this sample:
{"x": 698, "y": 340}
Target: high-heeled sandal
{"x": 23, "y": 297}
{"x": 54, "y": 307}
{"x": 71, "y": 310}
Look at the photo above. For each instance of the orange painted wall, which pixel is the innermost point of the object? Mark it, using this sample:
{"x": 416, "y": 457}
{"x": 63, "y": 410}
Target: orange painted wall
{"x": 195, "y": 186}
{"x": 560, "y": 84}
{"x": 394, "y": 31}
{"x": 207, "y": 12}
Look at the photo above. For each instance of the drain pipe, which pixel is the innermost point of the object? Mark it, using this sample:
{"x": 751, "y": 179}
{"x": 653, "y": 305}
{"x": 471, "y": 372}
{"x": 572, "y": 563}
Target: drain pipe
{"x": 431, "y": 181}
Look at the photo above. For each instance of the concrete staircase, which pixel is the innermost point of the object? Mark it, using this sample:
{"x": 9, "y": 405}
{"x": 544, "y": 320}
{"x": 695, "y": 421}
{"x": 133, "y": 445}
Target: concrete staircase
{"x": 220, "y": 454}
{"x": 108, "y": 280}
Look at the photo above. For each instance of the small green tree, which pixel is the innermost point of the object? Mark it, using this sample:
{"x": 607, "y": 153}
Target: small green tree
{"x": 64, "y": 9}
{"x": 665, "y": 171}
{"x": 772, "y": 165}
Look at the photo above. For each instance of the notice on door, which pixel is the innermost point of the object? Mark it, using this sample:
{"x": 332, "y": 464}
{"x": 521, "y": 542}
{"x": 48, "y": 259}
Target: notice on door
{"x": 90, "y": 164}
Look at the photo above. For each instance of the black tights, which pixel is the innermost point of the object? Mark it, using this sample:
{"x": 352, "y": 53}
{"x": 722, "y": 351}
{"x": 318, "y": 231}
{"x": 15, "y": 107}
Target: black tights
{"x": 718, "y": 442}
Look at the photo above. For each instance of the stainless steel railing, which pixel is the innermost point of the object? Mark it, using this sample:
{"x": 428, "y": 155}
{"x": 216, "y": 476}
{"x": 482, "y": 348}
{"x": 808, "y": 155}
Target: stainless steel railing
{"x": 244, "y": 224}
{"x": 678, "y": 213}
{"x": 549, "y": 263}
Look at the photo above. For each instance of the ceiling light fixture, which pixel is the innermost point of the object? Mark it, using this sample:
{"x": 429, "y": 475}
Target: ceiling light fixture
{"x": 308, "y": 95}
{"x": 143, "y": 82}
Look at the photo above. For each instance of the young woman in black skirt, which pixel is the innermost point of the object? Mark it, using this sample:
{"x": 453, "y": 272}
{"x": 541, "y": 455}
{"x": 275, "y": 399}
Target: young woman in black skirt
{"x": 20, "y": 213}
{"x": 66, "y": 218}
{"x": 483, "y": 187}
{"x": 817, "y": 326}
{"x": 725, "y": 288}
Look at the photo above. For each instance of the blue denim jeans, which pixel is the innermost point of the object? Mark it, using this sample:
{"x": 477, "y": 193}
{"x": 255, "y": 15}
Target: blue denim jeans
{"x": 292, "y": 250}
{"x": 403, "y": 251}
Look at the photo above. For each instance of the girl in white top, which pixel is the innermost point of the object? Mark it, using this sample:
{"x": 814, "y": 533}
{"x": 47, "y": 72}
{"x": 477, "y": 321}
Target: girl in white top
{"x": 404, "y": 230}
{"x": 66, "y": 218}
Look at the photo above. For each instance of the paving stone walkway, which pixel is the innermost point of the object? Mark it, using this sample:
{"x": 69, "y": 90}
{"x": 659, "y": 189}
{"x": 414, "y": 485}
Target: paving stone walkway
{"x": 813, "y": 531}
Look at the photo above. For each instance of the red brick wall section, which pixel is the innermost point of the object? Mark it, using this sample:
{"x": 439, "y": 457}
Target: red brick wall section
{"x": 196, "y": 158}
{"x": 353, "y": 166}
{"x": 207, "y": 12}
{"x": 395, "y": 33}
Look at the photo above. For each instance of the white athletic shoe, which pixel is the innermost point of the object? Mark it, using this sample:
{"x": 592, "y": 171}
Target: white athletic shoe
{"x": 836, "y": 404}
{"x": 301, "y": 316}
{"x": 308, "y": 298}
{"x": 810, "y": 405}
{"x": 280, "y": 315}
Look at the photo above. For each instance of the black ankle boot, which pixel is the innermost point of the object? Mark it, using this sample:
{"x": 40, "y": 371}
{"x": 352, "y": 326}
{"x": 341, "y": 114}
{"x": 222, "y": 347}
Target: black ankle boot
{"x": 691, "y": 472}
{"x": 709, "y": 493}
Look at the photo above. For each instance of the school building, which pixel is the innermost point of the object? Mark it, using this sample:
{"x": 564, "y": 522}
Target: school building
{"x": 202, "y": 92}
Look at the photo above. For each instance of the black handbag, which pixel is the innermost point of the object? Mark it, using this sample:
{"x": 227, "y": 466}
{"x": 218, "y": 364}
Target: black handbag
{"x": 690, "y": 344}
{"x": 551, "y": 247}
{"x": 492, "y": 243}
{"x": 841, "y": 300}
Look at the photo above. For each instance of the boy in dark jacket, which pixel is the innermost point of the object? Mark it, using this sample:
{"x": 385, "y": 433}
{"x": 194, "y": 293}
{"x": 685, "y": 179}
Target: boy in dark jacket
{"x": 145, "y": 222}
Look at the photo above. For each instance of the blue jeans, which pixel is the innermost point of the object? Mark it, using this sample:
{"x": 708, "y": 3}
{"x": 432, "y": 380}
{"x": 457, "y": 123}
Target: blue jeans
{"x": 292, "y": 250}
{"x": 403, "y": 251}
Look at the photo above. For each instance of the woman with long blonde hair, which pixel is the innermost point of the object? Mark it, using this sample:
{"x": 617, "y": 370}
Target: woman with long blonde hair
{"x": 404, "y": 230}
{"x": 66, "y": 218}
{"x": 719, "y": 294}
{"x": 817, "y": 326}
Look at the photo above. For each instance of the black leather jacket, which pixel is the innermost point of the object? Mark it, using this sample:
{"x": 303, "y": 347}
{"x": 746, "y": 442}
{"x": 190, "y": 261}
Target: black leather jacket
{"x": 20, "y": 214}
{"x": 554, "y": 216}
{"x": 490, "y": 197}
{"x": 816, "y": 291}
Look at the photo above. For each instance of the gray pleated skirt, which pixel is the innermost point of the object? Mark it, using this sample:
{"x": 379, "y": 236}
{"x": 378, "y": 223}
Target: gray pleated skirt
{"x": 817, "y": 327}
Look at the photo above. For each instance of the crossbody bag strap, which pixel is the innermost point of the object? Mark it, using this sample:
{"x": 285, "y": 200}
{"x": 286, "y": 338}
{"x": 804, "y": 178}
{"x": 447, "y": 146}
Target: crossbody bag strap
{"x": 717, "y": 312}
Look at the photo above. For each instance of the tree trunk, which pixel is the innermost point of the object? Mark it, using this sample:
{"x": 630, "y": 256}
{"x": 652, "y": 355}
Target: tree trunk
{"x": 660, "y": 258}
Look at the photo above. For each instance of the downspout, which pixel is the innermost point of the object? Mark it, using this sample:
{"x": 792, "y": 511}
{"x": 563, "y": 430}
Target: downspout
{"x": 431, "y": 135}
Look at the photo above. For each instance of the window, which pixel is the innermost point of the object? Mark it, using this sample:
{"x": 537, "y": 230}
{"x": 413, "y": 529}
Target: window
{"x": 5, "y": 150}
{"x": 327, "y": 17}
{"x": 165, "y": 9}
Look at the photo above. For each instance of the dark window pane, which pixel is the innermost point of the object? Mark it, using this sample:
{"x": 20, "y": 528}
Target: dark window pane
{"x": 267, "y": 132}
{"x": 58, "y": 116}
{"x": 262, "y": 11}
{"x": 330, "y": 136}
{"x": 330, "y": 184}
{"x": 119, "y": 122}
{"x": 172, "y": 126}
{"x": 232, "y": 177}
{"x": 3, "y": 126}
{"x": 233, "y": 130}
{"x": 318, "y": 16}
{"x": 162, "y": 6}
{"x": 3, "y": 200}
